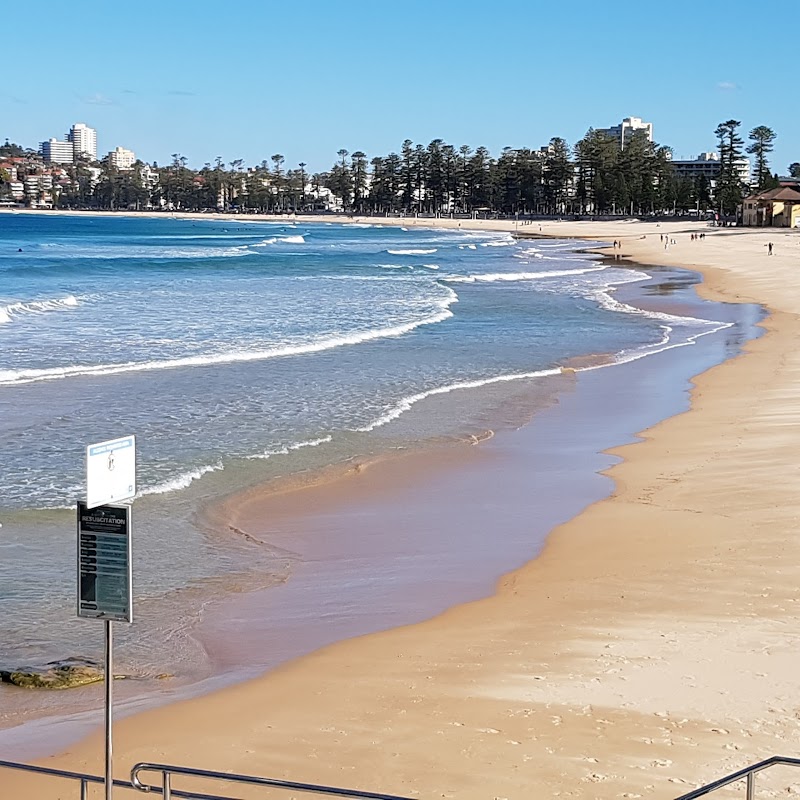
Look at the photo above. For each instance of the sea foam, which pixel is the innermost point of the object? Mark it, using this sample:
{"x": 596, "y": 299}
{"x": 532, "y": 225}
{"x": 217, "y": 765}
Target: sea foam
{"x": 286, "y": 449}
{"x": 21, "y": 376}
{"x": 8, "y": 312}
{"x": 407, "y": 402}
{"x": 412, "y": 252}
{"x": 492, "y": 277}
{"x": 181, "y": 481}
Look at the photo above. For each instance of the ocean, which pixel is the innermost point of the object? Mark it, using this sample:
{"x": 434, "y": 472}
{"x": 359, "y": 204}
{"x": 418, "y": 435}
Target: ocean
{"x": 241, "y": 352}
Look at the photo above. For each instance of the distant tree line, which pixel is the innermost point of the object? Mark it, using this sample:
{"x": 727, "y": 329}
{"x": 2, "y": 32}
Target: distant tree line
{"x": 596, "y": 175}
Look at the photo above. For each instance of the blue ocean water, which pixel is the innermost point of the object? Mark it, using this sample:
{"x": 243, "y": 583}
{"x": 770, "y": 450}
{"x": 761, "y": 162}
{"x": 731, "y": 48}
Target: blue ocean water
{"x": 240, "y": 351}
{"x": 215, "y": 341}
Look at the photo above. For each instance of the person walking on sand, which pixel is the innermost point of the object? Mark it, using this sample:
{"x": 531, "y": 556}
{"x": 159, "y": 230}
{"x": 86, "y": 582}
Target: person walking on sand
{"x": 769, "y": 249}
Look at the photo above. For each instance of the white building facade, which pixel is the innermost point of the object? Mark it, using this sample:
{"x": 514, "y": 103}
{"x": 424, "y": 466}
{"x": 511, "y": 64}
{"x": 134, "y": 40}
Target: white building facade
{"x": 84, "y": 141}
{"x": 122, "y": 158}
{"x": 56, "y": 152}
{"x": 627, "y": 128}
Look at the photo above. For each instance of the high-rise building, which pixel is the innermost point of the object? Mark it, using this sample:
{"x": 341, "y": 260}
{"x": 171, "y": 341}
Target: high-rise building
{"x": 626, "y": 129}
{"x": 56, "y": 152}
{"x": 84, "y": 141}
{"x": 121, "y": 158}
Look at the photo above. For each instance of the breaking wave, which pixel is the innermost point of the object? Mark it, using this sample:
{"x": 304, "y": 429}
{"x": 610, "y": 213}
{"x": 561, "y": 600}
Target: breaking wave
{"x": 12, "y": 310}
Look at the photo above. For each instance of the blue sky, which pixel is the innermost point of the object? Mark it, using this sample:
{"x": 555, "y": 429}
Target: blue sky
{"x": 252, "y": 78}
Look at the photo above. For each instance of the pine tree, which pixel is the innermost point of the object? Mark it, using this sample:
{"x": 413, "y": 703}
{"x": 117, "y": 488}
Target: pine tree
{"x": 729, "y": 184}
{"x": 558, "y": 172}
{"x": 762, "y": 139}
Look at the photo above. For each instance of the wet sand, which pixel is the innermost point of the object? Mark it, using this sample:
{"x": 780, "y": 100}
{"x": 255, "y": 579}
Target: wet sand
{"x": 650, "y": 642}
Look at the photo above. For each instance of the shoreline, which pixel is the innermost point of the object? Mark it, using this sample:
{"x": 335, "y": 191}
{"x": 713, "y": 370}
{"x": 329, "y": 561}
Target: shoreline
{"x": 222, "y": 516}
{"x": 445, "y": 621}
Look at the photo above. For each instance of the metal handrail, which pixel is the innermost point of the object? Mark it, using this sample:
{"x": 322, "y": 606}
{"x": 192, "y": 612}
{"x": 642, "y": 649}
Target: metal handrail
{"x": 167, "y": 771}
{"x": 747, "y": 773}
{"x": 86, "y": 779}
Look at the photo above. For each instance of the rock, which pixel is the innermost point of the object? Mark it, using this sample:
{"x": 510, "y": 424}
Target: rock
{"x": 63, "y": 674}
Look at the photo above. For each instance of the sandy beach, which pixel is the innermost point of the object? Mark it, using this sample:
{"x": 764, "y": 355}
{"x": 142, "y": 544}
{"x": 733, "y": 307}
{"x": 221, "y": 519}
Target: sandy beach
{"x": 648, "y": 648}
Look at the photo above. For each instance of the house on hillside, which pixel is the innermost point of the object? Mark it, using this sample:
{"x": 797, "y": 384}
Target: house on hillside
{"x": 776, "y": 208}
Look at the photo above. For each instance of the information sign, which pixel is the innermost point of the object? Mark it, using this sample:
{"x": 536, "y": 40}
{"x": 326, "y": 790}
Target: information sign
{"x": 110, "y": 471}
{"x": 105, "y": 585}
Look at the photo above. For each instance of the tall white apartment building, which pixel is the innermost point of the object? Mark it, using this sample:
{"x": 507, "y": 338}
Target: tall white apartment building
{"x": 121, "y": 158}
{"x": 625, "y": 130}
{"x": 84, "y": 141}
{"x": 55, "y": 152}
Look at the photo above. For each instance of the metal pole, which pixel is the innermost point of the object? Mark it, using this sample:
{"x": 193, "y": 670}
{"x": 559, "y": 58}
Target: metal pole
{"x": 166, "y": 786}
{"x": 751, "y": 786}
{"x": 109, "y": 680}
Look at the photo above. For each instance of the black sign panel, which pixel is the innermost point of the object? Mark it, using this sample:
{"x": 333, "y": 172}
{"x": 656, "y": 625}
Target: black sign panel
{"x": 104, "y": 563}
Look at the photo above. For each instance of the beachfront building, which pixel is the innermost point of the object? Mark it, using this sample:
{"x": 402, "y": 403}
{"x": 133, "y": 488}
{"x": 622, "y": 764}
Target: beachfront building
{"x": 708, "y": 165}
{"x": 121, "y": 158}
{"x": 56, "y": 152}
{"x": 84, "y": 141}
{"x": 627, "y": 128}
{"x": 776, "y": 208}
{"x": 38, "y": 190}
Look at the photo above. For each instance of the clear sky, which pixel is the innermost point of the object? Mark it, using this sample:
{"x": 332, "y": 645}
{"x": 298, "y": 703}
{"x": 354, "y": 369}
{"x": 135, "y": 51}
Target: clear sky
{"x": 251, "y": 78}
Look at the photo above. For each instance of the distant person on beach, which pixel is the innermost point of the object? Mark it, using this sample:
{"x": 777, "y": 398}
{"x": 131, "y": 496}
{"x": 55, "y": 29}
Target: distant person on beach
{"x": 769, "y": 249}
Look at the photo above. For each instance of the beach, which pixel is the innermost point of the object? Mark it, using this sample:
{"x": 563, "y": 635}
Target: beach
{"x": 647, "y": 649}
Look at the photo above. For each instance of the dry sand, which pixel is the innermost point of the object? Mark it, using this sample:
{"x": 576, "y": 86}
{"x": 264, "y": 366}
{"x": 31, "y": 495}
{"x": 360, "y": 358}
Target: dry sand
{"x": 649, "y": 648}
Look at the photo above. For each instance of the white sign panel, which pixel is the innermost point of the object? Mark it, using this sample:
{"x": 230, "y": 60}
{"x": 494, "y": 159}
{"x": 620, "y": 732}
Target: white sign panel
{"x": 110, "y": 471}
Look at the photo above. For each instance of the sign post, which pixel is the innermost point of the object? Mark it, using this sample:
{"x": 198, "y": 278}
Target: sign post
{"x": 105, "y": 575}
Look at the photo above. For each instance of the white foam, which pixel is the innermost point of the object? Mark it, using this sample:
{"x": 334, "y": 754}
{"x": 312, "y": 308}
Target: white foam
{"x": 411, "y": 252}
{"x": 626, "y": 356}
{"x": 11, "y": 310}
{"x": 294, "y": 239}
{"x": 227, "y": 236}
{"x": 431, "y": 266}
{"x": 604, "y": 297}
{"x": 492, "y": 277}
{"x": 17, "y": 377}
{"x": 181, "y": 481}
{"x": 284, "y": 451}
{"x": 406, "y": 403}
{"x": 54, "y": 250}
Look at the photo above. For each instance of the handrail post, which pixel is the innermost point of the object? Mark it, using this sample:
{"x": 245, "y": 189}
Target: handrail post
{"x": 166, "y": 788}
{"x": 84, "y": 789}
{"x": 751, "y": 786}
